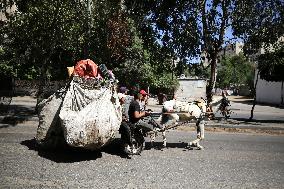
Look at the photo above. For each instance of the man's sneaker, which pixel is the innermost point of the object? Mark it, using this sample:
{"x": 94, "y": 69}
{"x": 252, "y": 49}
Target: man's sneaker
{"x": 189, "y": 147}
{"x": 156, "y": 129}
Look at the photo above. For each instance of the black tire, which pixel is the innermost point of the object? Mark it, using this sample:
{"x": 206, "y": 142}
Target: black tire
{"x": 137, "y": 144}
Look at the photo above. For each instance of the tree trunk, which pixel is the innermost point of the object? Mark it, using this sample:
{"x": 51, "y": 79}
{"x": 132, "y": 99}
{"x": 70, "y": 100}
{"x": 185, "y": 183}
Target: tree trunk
{"x": 254, "y": 96}
{"x": 212, "y": 80}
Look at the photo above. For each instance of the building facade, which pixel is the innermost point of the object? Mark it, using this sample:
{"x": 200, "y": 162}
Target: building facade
{"x": 266, "y": 91}
{"x": 269, "y": 92}
{"x": 232, "y": 49}
{"x": 191, "y": 89}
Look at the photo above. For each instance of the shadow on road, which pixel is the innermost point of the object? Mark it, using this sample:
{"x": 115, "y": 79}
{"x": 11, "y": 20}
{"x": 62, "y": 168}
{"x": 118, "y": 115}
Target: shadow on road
{"x": 4, "y": 126}
{"x": 68, "y": 154}
{"x": 159, "y": 145}
{"x": 114, "y": 148}
{"x": 249, "y": 101}
{"x": 17, "y": 114}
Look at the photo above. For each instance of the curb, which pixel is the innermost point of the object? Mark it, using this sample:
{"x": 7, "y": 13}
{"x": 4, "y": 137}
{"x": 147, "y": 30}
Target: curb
{"x": 234, "y": 128}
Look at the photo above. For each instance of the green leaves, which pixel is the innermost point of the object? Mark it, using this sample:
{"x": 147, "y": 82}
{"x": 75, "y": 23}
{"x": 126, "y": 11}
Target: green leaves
{"x": 271, "y": 65}
{"x": 259, "y": 23}
{"x": 235, "y": 71}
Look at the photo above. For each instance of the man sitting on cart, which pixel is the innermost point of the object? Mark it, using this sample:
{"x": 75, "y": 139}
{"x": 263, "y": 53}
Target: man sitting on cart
{"x": 138, "y": 116}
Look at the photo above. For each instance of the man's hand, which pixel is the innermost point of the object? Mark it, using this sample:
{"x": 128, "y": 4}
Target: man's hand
{"x": 147, "y": 113}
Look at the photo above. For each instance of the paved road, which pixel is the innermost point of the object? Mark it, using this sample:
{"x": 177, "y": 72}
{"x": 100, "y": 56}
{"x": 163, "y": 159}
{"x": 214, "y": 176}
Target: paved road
{"x": 228, "y": 161}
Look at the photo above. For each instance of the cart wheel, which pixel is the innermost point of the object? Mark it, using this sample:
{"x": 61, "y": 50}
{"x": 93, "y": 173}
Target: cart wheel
{"x": 134, "y": 149}
{"x": 137, "y": 145}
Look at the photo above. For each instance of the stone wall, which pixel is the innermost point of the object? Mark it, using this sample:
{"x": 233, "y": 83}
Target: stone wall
{"x": 30, "y": 88}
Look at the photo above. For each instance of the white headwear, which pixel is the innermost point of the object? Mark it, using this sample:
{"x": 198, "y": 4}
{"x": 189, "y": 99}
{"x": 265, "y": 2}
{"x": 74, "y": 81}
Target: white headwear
{"x": 121, "y": 95}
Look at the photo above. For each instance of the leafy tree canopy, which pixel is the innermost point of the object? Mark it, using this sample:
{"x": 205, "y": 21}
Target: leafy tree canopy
{"x": 261, "y": 25}
{"x": 271, "y": 65}
{"x": 235, "y": 71}
{"x": 258, "y": 23}
{"x": 187, "y": 28}
{"x": 43, "y": 37}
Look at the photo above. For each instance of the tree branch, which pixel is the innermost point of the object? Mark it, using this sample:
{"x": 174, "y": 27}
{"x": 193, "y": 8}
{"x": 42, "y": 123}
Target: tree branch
{"x": 204, "y": 24}
{"x": 223, "y": 23}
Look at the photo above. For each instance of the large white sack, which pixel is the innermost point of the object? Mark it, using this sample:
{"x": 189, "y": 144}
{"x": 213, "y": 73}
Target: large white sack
{"x": 89, "y": 116}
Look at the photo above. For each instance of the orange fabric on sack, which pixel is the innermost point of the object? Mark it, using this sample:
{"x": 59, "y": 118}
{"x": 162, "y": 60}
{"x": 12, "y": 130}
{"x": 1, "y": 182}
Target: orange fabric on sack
{"x": 86, "y": 68}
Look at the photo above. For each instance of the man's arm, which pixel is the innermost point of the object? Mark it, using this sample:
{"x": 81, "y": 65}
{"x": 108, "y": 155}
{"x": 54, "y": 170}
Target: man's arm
{"x": 138, "y": 114}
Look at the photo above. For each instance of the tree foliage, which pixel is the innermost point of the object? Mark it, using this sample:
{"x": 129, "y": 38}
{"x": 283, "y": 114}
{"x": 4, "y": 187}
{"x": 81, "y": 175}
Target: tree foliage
{"x": 234, "y": 72}
{"x": 42, "y": 38}
{"x": 258, "y": 23}
{"x": 261, "y": 25}
{"x": 271, "y": 65}
{"x": 187, "y": 28}
{"x": 138, "y": 40}
{"x": 41, "y": 34}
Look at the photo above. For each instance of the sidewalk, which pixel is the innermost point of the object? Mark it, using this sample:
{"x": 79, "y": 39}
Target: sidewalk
{"x": 21, "y": 108}
{"x": 267, "y": 119}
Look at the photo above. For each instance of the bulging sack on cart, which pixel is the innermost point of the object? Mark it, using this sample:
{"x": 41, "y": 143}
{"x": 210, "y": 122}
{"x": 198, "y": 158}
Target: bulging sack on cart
{"x": 86, "y": 113}
{"x": 90, "y": 113}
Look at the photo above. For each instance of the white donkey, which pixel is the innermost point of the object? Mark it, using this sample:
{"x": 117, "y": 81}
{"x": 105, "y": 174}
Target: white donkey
{"x": 174, "y": 110}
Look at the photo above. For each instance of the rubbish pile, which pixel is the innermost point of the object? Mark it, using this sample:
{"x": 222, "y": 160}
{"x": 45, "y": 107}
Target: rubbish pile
{"x": 86, "y": 113}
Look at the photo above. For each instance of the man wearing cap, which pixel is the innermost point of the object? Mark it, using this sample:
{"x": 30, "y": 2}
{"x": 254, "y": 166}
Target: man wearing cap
{"x": 138, "y": 115}
{"x": 123, "y": 90}
{"x": 124, "y": 129}
{"x": 144, "y": 101}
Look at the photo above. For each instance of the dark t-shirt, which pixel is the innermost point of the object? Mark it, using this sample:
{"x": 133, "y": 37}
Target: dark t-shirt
{"x": 134, "y": 106}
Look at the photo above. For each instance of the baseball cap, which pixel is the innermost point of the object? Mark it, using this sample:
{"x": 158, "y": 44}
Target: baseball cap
{"x": 143, "y": 92}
